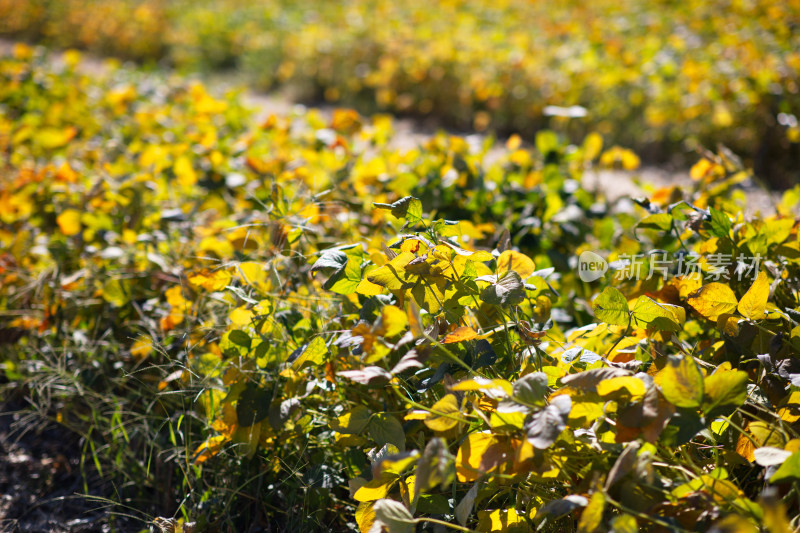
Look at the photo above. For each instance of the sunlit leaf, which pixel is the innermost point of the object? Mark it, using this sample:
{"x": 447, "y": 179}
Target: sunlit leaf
{"x": 681, "y": 382}
{"x": 592, "y": 515}
{"x": 631, "y": 386}
{"x": 725, "y": 389}
{"x": 408, "y": 207}
{"x": 210, "y": 281}
{"x": 478, "y": 454}
{"x": 754, "y": 302}
{"x": 444, "y": 414}
{"x": 376, "y": 488}
{"x": 713, "y": 300}
{"x": 518, "y": 262}
{"x": 314, "y": 354}
{"x": 611, "y": 306}
{"x": 464, "y": 333}
{"x": 69, "y": 221}
{"x": 647, "y": 313}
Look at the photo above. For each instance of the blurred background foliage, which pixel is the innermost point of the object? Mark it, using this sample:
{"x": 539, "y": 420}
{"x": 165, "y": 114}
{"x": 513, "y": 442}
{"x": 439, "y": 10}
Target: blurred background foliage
{"x": 662, "y": 77}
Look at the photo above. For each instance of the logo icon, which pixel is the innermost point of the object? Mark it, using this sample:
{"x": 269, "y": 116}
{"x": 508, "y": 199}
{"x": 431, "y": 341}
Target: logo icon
{"x": 591, "y": 266}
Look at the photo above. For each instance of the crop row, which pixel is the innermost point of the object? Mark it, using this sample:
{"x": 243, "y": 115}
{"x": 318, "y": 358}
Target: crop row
{"x": 655, "y": 76}
{"x": 313, "y": 330}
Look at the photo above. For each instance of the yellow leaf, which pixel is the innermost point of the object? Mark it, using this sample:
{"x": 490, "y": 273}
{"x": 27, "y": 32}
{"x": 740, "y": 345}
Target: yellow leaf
{"x": 447, "y": 406}
{"x": 592, "y": 515}
{"x": 365, "y": 516}
{"x": 728, "y": 324}
{"x": 630, "y": 161}
{"x": 394, "y": 320}
{"x": 240, "y": 317}
{"x": 376, "y": 489}
{"x": 511, "y": 260}
{"x": 474, "y": 255}
{"x": 501, "y": 520}
{"x": 55, "y": 138}
{"x": 314, "y": 354}
{"x": 478, "y": 454}
{"x": 208, "y": 449}
{"x": 253, "y": 274}
{"x": 211, "y": 281}
{"x": 681, "y": 382}
{"x": 464, "y": 333}
{"x": 713, "y": 300}
{"x": 585, "y": 413}
{"x": 392, "y": 274}
{"x": 367, "y": 288}
{"x": 175, "y": 297}
{"x": 117, "y": 292}
{"x": 69, "y": 221}
{"x": 142, "y": 347}
{"x": 592, "y": 146}
{"x": 493, "y": 387}
{"x": 754, "y": 302}
{"x": 184, "y": 171}
{"x": 790, "y": 408}
{"x": 634, "y": 386}
{"x": 688, "y": 284}
{"x": 760, "y": 434}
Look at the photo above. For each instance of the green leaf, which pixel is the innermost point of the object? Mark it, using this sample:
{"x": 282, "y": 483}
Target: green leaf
{"x": 658, "y": 221}
{"x": 117, "y": 292}
{"x": 507, "y": 291}
{"x": 546, "y": 141}
{"x": 723, "y": 389}
{"x": 611, "y": 307}
{"x": 345, "y": 280}
{"x": 392, "y": 274}
{"x": 386, "y": 429}
{"x": 408, "y": 207}
{"x": 241, "y": 338}
{"x": 531, "y": 389}
{"x": 314, "y": 354}
{"x": 252, "y": 406}
{"x": 788, "y": 471}
{"x": 352, "y": 422}
{"x": 650, "y": 314}
{"x": 720, "y": 223}
{"x": 335, "y": 259}
{"x": 682, "y": 382}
